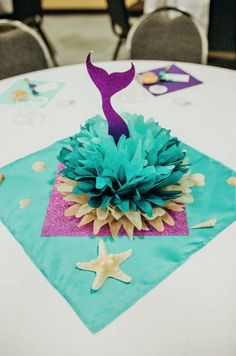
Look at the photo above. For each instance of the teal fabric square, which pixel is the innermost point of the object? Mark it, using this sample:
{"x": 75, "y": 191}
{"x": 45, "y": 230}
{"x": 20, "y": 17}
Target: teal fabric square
{"x": 6, "y": 96}
{"x": 153, "y": 259}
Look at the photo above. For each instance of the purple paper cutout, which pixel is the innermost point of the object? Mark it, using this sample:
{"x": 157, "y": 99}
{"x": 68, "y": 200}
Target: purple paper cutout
{"x": 56, "y": 224}
{"x": 172, "y": 86}
{"x": 108, "y": 85}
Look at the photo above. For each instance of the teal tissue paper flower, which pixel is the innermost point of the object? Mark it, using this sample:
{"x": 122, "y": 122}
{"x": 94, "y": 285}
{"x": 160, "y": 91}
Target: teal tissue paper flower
{"x": 131, "y": 174}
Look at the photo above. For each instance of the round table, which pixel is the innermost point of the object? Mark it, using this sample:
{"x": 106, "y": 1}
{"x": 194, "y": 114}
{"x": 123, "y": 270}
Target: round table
{"x": 193, "y": 311}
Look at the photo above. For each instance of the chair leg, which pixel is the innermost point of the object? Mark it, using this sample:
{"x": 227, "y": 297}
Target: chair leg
{"x": 48, "y": 43}
{"x": 117, "y": 49}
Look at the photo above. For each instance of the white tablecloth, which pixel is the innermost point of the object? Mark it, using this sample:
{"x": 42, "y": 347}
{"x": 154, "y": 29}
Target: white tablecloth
{"x": 6, "y": 6}
{"x": 197, "y": 8}
{"x": 193, "y": 312}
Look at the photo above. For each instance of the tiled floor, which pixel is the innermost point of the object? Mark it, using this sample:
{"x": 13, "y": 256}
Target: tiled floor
{"x": 75, "y": 35}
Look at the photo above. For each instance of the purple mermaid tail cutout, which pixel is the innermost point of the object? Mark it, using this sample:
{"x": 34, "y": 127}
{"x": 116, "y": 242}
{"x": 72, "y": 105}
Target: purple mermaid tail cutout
{"x": 108, "y": 85}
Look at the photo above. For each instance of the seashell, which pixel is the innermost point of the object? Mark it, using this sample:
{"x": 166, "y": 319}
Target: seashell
{"x": 209, "y": 223}
{"x": 198, "y": 179}
{"x": 38, "y": 166}
{"x": 149, "y": 78}
{"x": 232, "y": 181}
{"x": 24, "y": 203}
{"x": 19, "y": 95}
{"x": 106, "y": 266}
{"x": 2, "y": 177}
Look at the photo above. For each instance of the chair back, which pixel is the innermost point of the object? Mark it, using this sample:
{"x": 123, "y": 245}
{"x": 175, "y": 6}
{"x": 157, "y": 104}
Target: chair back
{"x": 21, "y": 49}
{"x": 168, "y": 34}
{"x": 119, "y": 17}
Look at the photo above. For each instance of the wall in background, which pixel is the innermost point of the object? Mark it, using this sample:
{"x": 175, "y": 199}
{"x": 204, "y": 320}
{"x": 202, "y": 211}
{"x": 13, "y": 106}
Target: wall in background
{"x": 78, "y": 4}
{"x": 222, "y": 27}
{"x": 222, "y": 33}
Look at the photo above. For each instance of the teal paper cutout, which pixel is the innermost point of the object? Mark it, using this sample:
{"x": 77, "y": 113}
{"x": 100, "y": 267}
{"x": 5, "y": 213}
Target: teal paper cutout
{"x": 6, "y": 96}
{"x": 153, "y": 259}
{"x": 143, "y": 163}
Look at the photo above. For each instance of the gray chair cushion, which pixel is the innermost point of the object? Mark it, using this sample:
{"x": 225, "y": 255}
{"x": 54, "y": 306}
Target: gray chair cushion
{"x": 20, "y": 52}
{"x": 167, "y": 35}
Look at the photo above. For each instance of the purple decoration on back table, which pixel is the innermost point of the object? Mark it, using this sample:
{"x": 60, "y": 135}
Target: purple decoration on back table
{"x": 108, "y": 85}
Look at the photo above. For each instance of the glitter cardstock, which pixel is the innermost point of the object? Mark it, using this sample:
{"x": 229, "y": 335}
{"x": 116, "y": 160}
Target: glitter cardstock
{"x": 56, "y": 224}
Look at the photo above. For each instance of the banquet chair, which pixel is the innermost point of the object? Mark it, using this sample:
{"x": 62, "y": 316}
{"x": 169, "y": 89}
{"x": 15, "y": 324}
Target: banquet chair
{"x": 170, "y": 34}
{"x": 119, "y": 22}
{"x": 22, "y": 49}
{"x": 31, "y": 13}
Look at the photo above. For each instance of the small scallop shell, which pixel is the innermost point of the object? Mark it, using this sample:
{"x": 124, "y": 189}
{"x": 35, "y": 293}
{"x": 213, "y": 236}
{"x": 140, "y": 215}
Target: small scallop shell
{"x": 38, "y": 166}
{"x": 198, "y": 179}
{"x": 149, "y": 78}
{"x": 232, "y": 181}
{"x": 2, "y": 177}
{"x": 209, "y": 223}
{"x": 24, "y": 203}
{"x": 19, "y": 95}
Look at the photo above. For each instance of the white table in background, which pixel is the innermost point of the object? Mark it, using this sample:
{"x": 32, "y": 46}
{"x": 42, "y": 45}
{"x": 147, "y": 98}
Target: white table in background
{"x": 193, "y": 311}
{"x": 199, "y": 9}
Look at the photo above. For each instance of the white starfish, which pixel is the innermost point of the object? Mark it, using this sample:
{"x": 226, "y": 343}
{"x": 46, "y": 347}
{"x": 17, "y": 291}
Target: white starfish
{"x": 106, "y": 265}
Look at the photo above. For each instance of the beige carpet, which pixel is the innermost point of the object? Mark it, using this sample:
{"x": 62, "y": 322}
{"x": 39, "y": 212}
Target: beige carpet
{"x": 74, "y": 36}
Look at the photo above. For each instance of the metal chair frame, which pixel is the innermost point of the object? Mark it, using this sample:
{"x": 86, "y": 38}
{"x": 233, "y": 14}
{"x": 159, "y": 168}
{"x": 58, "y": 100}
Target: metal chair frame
{"x": 31, "y": 15}
{"x": 14, "y": 24}
{"x": 122, "y": 35}
{"x": 182, "y": 11}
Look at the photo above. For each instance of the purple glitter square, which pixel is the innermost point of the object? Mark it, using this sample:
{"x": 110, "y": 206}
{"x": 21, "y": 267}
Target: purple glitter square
{"x": 56, "y": 224}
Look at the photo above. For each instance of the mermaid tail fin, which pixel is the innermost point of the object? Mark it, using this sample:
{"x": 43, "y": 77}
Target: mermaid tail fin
{"x": 108, "y": 85}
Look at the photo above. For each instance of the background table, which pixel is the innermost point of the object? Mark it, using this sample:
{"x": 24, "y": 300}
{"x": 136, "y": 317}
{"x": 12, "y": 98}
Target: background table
{"x": 199, "y": 9}
{"x": 193, "y": 312}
